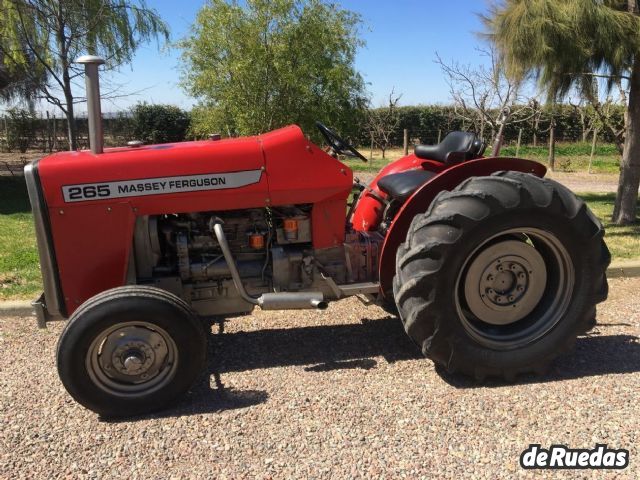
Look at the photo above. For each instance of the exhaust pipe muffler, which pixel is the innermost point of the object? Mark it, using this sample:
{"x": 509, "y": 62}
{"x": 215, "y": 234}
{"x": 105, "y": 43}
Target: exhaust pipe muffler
{"x": 94, "y": 111}
{"x": 267, "y": 301}
{"x": 292, "y": 300}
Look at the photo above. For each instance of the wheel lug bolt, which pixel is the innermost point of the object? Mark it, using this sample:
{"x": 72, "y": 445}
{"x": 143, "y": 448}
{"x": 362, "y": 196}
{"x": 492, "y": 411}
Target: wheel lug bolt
{"x": 511, "y": 298}
{"x": 500, "y": 268}
{"x": 490, "y": 277}
{"x": 520, "y": 288}
{"x": 499, "y": 299}
{"x": 521, "y": 276}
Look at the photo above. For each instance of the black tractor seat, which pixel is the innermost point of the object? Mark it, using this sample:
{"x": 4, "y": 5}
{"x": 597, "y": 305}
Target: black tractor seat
{"x": 456, "y": 147}
{"x": 402, "y": 185}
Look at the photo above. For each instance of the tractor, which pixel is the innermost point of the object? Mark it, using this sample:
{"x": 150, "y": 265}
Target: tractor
{"x": 492, "y": 269}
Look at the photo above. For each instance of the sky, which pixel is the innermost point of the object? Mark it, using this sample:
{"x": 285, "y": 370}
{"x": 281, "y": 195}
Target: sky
{"x": 402, "y": 38}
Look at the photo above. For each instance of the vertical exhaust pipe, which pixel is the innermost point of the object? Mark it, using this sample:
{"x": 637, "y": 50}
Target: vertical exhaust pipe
{"x": 94, "y": 112}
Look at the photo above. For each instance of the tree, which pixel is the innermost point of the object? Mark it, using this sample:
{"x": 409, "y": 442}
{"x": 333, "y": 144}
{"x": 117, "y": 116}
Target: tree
{"x": 53, "y": 33}
{"x": 383, "y": 122}
{"x": 486, "y": 97}
{"x": 565, "y": 45}
{"x": 261, "y": 64}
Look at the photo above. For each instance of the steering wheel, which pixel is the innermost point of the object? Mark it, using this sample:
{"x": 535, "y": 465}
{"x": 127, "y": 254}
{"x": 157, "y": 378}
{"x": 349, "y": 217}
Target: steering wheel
{"x": 338, "y": 144}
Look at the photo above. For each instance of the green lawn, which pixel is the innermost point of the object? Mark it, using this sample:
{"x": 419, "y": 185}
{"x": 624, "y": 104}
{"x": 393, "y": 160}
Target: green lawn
{"x": 624, "y": 242}
{"x": 20, "y": 272}
{"x": 19, "y": 266}
{"x": 570, "y": 157}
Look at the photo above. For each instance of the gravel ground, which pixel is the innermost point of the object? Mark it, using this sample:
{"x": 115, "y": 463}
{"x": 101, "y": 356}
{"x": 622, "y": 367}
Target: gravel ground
{"x": 335, "y": 394}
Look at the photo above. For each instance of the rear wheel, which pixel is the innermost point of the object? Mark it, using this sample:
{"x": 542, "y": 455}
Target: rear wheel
{"x": 500, "y": 275}
{"x": 130, "y": 350}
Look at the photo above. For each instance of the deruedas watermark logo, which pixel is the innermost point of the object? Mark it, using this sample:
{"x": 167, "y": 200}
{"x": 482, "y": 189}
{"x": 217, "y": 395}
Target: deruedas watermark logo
{"x": 563, "y": 457}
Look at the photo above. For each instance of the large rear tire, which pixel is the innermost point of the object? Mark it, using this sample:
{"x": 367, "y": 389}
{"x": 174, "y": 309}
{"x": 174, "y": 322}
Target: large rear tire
{"x": 131, "y": 350}
{"x": 500, "y": 275}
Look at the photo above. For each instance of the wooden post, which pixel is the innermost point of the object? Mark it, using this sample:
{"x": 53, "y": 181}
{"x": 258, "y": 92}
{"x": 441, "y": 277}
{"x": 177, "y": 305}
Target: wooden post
{"x": 439, "y": 135}
{"x": 6, "y": 131}
{"x": 552, "y": 145}
{"x": 519, "y": 141}
{"x": 593, "y": 147}
{"x": 371, "y": 154}
{"x": 405, "y": 142}
{"x": 48, "y": 141}
{"x": 54, "y": 144}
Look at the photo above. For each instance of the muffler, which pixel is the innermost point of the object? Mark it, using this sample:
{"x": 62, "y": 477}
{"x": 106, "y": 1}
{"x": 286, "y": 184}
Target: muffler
{"x": 292, "y": 300}
{"x": 267, "y": 301}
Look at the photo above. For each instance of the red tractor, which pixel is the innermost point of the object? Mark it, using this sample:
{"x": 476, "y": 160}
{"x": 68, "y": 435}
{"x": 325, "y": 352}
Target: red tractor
{"x": 492, "y": 268}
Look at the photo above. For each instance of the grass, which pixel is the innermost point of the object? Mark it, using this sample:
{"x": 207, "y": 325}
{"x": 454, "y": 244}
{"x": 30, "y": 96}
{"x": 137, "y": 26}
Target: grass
{"x": 570, "y": 157}
{"x": 19, "y": 265}
{"x": 623, "y": 242}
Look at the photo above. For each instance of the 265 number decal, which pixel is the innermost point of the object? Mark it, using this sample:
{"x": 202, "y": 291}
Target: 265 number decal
{"x": 90, "y": 191}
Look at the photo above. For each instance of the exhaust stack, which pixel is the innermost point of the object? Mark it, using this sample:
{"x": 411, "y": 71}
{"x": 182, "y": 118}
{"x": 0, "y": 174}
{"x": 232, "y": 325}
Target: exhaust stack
{"x": 96, "y": 136}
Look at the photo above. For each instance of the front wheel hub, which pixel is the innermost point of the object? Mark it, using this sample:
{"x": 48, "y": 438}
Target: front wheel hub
{"x": 132, "y": 358}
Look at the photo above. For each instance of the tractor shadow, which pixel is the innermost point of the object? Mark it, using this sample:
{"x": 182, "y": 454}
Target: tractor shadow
{"x": 317, "y": 348}
{"x": 354, "y": 346}
{"x": 593, "y": 355}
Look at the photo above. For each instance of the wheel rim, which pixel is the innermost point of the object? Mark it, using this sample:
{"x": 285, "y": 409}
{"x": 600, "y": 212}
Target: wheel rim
{"x": 132, "y": 359}
{"x": 514, "y": 288}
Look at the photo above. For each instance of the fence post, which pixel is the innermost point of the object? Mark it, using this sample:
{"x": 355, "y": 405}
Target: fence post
{"x": 439, "y": 135}
{"x": 593, "y": 147}
{"x": 54, "y": 144}
{"x": 552, "y": 145}
{"x": 371, "y": 154}
{"x": 519, "y": 141}
{"x": 406, "y": 142}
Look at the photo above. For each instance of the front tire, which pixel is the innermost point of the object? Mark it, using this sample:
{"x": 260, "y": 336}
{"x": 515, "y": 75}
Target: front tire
{"x": 500, "y": 275}
{"x": 130, "y": 350}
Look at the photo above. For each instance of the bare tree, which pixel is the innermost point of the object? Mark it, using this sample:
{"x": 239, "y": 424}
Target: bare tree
{"x": 485, "y": 97}
{"x": 603, "y": 115}
{"x": 382, "y": 122}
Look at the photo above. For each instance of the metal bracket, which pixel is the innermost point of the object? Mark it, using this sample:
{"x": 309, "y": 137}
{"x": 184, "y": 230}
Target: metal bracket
{"x": 367, "y": 289}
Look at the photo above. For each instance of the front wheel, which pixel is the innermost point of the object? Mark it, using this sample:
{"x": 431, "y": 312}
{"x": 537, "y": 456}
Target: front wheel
{"x": 130, "y": 350}
{"x": 501, "y": 274}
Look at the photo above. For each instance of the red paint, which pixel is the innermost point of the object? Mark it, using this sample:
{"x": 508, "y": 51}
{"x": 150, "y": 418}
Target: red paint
{"x": 419, "y": 203}
{"x": 93, "y": 238}
{"x": 368, "y": 213}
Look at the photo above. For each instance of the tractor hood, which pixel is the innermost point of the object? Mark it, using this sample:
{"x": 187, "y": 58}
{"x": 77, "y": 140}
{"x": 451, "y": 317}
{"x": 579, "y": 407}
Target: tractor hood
{"x": 60, "y": 172}
{"x": 86, "y": 205}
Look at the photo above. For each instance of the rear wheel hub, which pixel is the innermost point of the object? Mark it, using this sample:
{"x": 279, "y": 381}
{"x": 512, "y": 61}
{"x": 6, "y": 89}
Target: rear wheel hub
{"x": 505, "y": 282}
{"x": 514, "y": 288}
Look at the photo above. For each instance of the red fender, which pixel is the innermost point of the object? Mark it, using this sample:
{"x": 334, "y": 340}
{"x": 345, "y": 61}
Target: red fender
{"x": 419, "y": 203}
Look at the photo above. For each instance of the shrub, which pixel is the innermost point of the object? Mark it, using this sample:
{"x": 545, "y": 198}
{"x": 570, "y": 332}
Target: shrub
{"x": 159, "y": 123}
{"x": 21, "y": 129}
